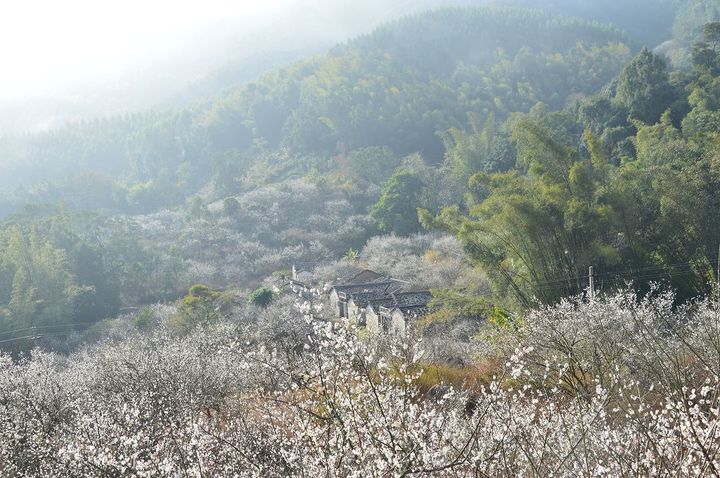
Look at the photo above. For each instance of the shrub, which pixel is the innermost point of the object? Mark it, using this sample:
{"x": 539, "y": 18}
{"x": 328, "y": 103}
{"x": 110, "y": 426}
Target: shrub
{"x": 231, "y": 206}
{"x": 144, "y": 319}
{"x": 199, "y": 307}
{"x": 261, "y": 297}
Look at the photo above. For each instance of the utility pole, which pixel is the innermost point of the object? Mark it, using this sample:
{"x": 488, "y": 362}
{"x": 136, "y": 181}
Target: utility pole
{"x": 717, "y": 287}
{"x": 592, "y": 283}
{"x": 717, "y": 277}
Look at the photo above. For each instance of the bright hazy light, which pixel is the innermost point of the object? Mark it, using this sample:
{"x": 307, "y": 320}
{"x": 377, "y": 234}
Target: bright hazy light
{"x": 49, "y": 44}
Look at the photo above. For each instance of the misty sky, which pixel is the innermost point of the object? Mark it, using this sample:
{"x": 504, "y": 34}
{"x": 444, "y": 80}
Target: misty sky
{"x": 47, "y": 44}
{"x": 66, "y": 60}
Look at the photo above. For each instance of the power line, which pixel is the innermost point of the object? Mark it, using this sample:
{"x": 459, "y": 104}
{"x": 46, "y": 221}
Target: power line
{"x": 45, "y": 334}
{"x": 35, "y": 337}
{"x": 636, "y": 270}
{"x": 42, "y": 327}
{"x": 668, "y": 271}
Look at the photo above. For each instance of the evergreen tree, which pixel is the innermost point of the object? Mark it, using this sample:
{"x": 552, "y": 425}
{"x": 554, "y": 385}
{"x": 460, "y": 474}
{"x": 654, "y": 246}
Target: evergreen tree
{"x": 644, "y": 87}
{"x": 397, "y": 209}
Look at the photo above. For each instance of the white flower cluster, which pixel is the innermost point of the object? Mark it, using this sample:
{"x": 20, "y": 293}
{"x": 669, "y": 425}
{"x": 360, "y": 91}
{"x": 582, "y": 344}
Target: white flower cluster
{"x": 621, "y": 387}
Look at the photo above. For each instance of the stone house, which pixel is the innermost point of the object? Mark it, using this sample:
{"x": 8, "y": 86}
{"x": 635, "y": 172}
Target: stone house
{"x": 374, "y": 321}
{"x": 394, "y": 314}
{"x": 359, "y": 282}
{"x": 366, "y": 298}
{"x": 358, "y": 302}
{"x": 301, "y": 280}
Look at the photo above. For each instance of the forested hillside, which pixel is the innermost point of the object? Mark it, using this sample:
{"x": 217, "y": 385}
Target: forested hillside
{"x": 624, "y": 180}
{"x": 396, "y": 87}
{"x": 282, "y": 170}
{"x": 547, "y": 144}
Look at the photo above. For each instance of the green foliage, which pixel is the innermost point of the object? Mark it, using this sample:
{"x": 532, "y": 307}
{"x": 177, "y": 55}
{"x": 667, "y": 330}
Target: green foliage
{"x": 144, "y": 319}
{"x": 705, "y": 53}
{"x": 261, "y": 297}
{"x": 578, "y": 200}
{"x": 373, "y": 100}
{"x": 282, "y": 274}
{"x": 644, "y": 87}
{"x": 691, "y": 20}
{"x": 499, "y": 317}
{"x": 351, "y": 255}
{"x": 52, "y": 281}
{"x": 483, "y": 149}
{"x": 151, "y": 195}
{"x": 372, "y": 164}
{"x": 453, "y": 304}
{"x": 199, "y": 307}
{"x": 227, "y": 170}
{"x": 396, "y": 211}
{"x": 647, "y": 22}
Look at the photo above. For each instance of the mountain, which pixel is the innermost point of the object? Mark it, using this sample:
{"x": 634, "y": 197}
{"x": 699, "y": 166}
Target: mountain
{"x": 396, "y": 87}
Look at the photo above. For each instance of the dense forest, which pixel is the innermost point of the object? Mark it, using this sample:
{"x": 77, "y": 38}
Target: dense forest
{"x": 548, "y": 171}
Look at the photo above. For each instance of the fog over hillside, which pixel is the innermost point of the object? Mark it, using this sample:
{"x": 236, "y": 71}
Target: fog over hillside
{"x": 80, "y": 60}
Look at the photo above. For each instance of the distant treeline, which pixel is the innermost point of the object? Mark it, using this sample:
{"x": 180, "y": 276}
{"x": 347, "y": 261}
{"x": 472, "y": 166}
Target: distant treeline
{"x": 397, "y": 87}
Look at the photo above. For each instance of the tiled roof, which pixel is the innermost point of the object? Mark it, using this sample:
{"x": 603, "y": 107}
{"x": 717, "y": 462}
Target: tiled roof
{"x": 369, "y": 289}
{"x": 372, "y": 287}
{"x": 361, "y": 277}
{"x": 362, "y": 299}
{"x": 409, "y": 303}
{"x": 412, "y": 298}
